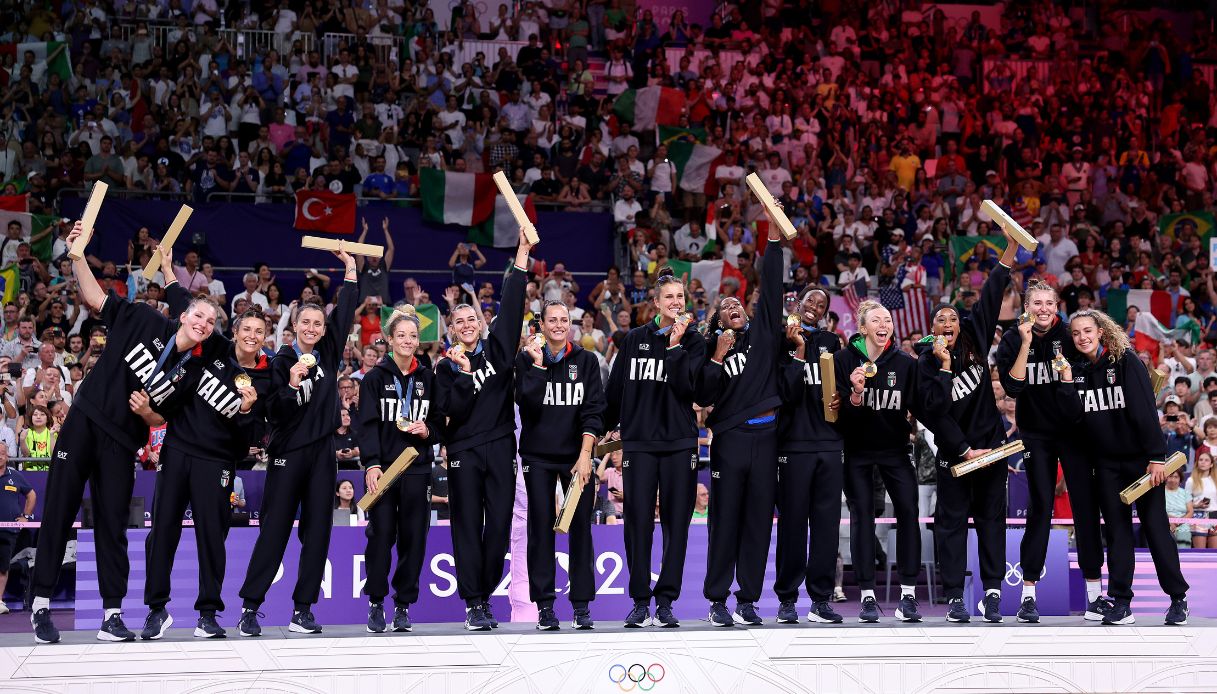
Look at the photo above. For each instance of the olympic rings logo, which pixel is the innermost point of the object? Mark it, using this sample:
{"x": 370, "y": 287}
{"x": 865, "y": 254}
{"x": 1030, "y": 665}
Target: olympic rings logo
{"x": 1015, "y": 571}
{"x": 637, "y": 675}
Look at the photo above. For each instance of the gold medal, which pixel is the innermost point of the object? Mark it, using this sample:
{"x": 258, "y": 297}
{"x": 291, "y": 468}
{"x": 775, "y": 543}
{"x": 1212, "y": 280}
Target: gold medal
{"x": 243, "y": 381}
{"x": 940, "y": 341}
{"x": 538, "y": 340}
{"x": 1024, "y": 318}
{"x": 1060, "y": 363}
{"x": 684, "y": 317}
{"x": 403, "y": 423}
{"x": 794, "y": 320}
{"x": 308, "y": 360}
{"x": 729, "y": 333}
{"x": 869, "y": 369}
{"x": 457, "y": 350}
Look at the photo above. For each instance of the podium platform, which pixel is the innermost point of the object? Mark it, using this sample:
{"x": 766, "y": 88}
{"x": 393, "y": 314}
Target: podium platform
{"x": 1063, "y": 654}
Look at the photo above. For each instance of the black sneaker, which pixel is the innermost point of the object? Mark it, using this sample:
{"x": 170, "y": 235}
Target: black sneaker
{"x": 990, "y": 608}
{"x": 1027, "y": 611}
{"x": 719, "y": 616}
{"x": 822, "y": 613}
{"x": 745, "y": 613}
{"x": 475, "y": 619}
{"x": 869, "y": 614}
{"x": 113, "y": 629}
{"x": 44, "y": 627}
{"x": 1120, "y": 614}
{"x": 401, "y": 618}
{"x": 494, "y": 623}
{"x": 788, "y": 612}
{"x": 376, "y": 618}
{"x": 664, "y": 617}
{"x": 583, "y": 619}
{"x": 156, "y": 624}
{"x": 1098, "y": 608}
{"x": 208, "y": 628}
{"x": 639, "y": 617}
{"x": 906, "y": 611}
{"x": 956, "y": 612}
{"x": 547, "y": 620}
{"x": 248, "y": 626}
{"x": 303, "y": 623}
{"x": 1176, "y": 616}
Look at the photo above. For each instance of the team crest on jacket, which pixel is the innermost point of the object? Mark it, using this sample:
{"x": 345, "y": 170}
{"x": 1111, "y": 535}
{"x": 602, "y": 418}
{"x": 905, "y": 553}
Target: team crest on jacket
{"x": 572, "y": 372}
{"x": 891, "y": 379}
{"x": 1111, "y": 375}
{"x": 224, "y": 478}
{"x": 418, "y": 388}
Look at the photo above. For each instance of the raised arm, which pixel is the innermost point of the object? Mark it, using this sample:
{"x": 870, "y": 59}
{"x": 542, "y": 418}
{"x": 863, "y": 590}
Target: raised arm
{"x": 90, "y": 291}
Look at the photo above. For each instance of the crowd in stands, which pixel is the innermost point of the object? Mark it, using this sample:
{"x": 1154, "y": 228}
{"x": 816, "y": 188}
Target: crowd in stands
{"x": 879, "y": 131}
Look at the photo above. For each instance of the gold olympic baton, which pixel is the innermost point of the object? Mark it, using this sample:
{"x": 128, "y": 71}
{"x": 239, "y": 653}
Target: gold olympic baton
{"x": 390, "y": 476}
{"x": 999, "y": 453}
{"x": 1145, "y": 483}
{"x": 323, "y": 244}
{"x": 88, "y": 219}
{"x": 828, "y": 387}
{"x": 517, "y": 211}
{"x": 1157, "y": 380}
{"x": 772, "y": 209}
{"x": 1008, "y": 225}
{"x": 603, "y": 449}
{"x": 170, "y": 238}
{"x": 567, "y": 514}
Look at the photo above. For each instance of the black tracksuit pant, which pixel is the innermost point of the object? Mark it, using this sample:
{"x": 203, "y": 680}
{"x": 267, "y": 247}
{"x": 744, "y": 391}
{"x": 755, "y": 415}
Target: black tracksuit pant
{"x": 541, "y": 481}
{"x": 673, "y": 475}
{"x": 202, "y": 483}
{"x": 481, "y": 495}
{"x": 808, "y": 498}
{"x": 1039, "y": 462}
{"x": 84, "y": 453}
{"x": 901, "y": 481}
{"x": 981, "y": 495}
{"x": 402, "y": 518}
{"x": 1113, "y": 476}
{"x": 743, "y": 486}
{"x": 305, "y": 480}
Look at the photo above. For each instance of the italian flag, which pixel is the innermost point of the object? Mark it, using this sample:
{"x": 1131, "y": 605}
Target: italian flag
{"x": 1149, "y": 334}
{"x": 53, "y": 53}
{"x": 501, "y": 229}
{"x": 1155, "y": 302}
{"x": 695, "y": 166}
{"x": 457, "y": 198}
{"x": 650, "y": 106}
{"x": 15, "y": 208}
{"x": 710, "y": 273}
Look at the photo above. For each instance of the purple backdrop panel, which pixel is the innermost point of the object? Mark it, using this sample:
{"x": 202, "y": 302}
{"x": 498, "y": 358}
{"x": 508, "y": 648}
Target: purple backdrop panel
{"x": 1018, "y": 498}
{"x": 239, "y": 234}
{"x": 1052, "y": 593}
{"x": 696, "y": 11}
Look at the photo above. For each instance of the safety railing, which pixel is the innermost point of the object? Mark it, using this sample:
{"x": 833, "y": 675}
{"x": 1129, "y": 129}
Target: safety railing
{"x": 243, "y": 42}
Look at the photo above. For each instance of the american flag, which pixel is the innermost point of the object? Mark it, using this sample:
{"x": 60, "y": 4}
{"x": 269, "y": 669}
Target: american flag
{"x": 854, "y": 293}
{"x": 909, "y": 307}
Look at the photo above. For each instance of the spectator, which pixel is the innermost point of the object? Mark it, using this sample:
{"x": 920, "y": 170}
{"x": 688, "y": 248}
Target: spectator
{"x": 17, "y": 500}
{"x": 701, "y": 507}
{"x": 439, "y": 488}
{"x": 1203, "y": 487}
{"x": 1179, "y": 505}
{"x": 346, "y": 447}
{"x": 346, "y": 512}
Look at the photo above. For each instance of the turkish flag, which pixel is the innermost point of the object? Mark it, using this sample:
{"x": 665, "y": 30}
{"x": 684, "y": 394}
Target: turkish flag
{"x": 319, "y": 210}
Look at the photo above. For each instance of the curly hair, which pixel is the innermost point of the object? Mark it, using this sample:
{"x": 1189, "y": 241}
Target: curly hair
{"x": 1113, "y": 338}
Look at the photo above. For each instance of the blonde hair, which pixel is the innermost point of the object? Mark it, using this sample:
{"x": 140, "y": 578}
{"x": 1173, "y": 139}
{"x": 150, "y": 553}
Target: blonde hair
{"x": 866, "y": 307}
{"x": 1114, "y": 339}
{"x": 1194, "y": 482}
{"x": 1039, "y": 286}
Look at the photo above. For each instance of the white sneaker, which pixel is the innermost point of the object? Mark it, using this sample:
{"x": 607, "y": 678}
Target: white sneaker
{"x": 4, "y": 608}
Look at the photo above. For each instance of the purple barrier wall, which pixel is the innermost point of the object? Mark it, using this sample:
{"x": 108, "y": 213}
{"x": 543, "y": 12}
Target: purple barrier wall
{"x": 342, "y": 603}
{"x": 239, "y": 234}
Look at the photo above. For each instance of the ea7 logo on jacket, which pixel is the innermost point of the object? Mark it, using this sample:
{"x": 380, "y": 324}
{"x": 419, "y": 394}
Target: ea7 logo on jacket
{"x": 647, "y": 369}
{"x": 563, "y": 393}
